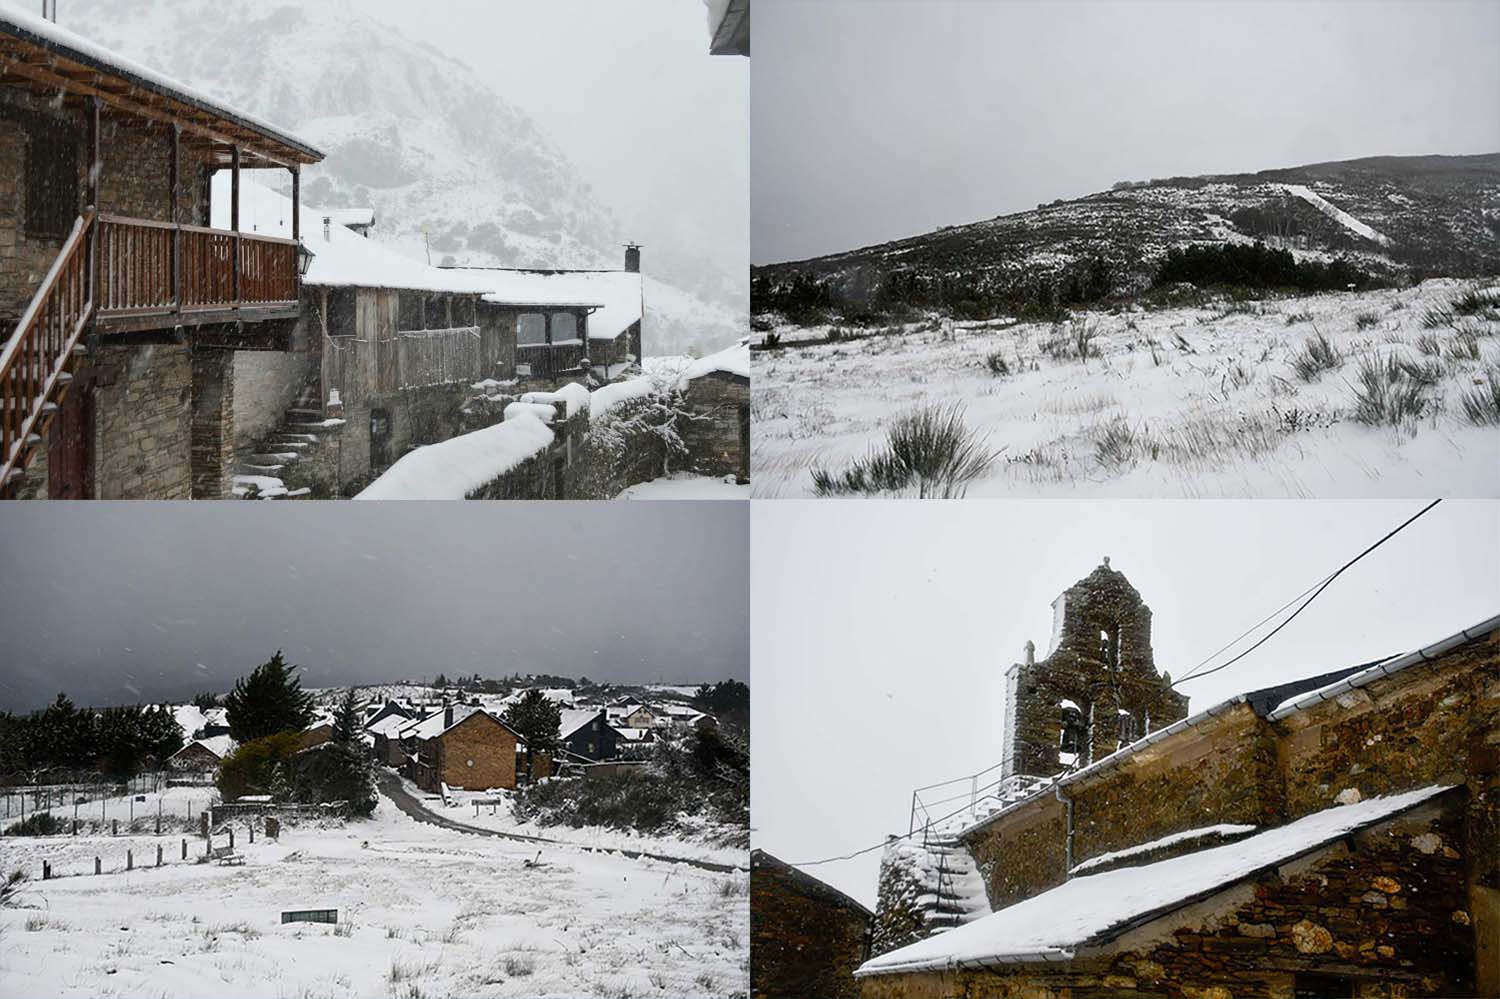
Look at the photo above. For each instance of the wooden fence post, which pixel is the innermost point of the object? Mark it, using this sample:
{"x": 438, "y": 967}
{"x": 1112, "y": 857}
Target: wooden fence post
{"x": 158, "y": 855}
{"x": 46, "y": 871}
{"x": 184, "y": 849}
{"x": 98, "y": 867}
{"x": 130, "y": 860}
{"x": 114, "y": 829}
{"x": 231, "y": 837}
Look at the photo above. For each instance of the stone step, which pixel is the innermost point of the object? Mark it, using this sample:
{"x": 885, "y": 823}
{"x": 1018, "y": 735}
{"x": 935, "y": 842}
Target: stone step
{"x": 296, "y": 414}
{"x": 274, "y": 457}
{"x": 250, "y": 468}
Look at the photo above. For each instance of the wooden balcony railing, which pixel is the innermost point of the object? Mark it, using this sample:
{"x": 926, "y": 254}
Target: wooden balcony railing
{"x": 550, "y": 360}
{"x": 35, "y": 363}
{"x": 157, "y": 268}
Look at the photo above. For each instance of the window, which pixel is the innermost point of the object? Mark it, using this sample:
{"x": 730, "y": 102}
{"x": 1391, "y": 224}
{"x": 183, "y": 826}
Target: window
{"x": 1073, "y": 735}
{"x": 411, "y": 310}
{"x": 531, "y": 328}
{"x": 51, "y": 181}
{"x": 564, "y": 327}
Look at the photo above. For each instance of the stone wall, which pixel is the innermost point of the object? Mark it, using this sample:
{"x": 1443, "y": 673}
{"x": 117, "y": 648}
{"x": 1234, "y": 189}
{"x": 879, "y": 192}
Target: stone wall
{"x": 1022, "y": 853}
{"x": 1384, "y": 910}
{"x": 132, "y": 182}
{"x": 266, "y": 382}
{"x": 213, "y": 462}
{"x": 806, "y": 938}
{"x": 143, "y": 422}
{"x": 715, "y": 436}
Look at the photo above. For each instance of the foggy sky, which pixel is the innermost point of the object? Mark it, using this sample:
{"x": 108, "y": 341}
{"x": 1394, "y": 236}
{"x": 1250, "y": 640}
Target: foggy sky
{"x": 882, "y": 630}
{"x": 877, "y": 119}
{"x": 655, "y": 124}
{"x": 127, "y": 602}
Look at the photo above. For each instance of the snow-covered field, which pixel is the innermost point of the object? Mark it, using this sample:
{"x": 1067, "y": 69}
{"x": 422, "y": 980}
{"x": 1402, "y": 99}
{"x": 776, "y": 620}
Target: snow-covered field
{"x": 423, "y": 912}
{"x": 1186, "y": 402}
{"x": 683, "y": 486}
{"x": 499, "y": 817}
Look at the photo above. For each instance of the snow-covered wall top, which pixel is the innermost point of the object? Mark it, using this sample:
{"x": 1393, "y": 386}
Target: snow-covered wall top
{"x": 733, "y": 360}
{"x": 454, "y": 468}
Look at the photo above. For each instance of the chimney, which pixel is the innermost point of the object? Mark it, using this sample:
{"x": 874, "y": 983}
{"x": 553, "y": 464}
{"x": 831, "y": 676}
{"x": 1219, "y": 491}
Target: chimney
{"x": 448, "y": 717}
{"x": 327, "y": 228}
{"x": 633, "y": 258}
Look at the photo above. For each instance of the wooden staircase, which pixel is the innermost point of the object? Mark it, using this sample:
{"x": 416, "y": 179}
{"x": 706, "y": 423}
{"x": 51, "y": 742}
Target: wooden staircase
{"x": 39, "y": 358}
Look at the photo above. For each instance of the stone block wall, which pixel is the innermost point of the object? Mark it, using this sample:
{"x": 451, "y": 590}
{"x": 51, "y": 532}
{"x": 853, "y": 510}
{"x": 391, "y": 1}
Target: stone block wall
{"x": 715, "y": 436}
{"x": 1023, "y": 853}
{"x": 804, "y": 942}
{"x": 266, "y": 382}
{"x": 213, "y": 460}
{"x": 1385, "y": 910}
{"x": 143, "y": 422}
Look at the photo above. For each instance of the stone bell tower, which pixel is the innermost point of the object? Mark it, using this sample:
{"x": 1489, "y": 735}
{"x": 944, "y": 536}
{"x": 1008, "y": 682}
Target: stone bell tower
{"x": 1096, "y": 690}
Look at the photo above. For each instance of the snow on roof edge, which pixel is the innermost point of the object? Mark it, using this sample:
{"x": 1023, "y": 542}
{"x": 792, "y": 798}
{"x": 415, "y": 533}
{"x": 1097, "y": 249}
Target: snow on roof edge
{"x": 85, "y": 50}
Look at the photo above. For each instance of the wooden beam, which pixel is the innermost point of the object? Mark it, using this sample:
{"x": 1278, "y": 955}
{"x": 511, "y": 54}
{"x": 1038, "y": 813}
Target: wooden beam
{"x": 296, "y": 201}
{"x": 96, "y": 163}
{"x": 234, "y": 219}
{"x": 222, "y": 133}
{"x": 176, "y": 182}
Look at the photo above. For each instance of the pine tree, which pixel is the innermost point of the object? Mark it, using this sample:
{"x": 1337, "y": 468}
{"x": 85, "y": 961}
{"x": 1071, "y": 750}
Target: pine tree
{"x": 346, "y": 720}
{"x": 537, "y": 721}
{"x": 269, "y": 701}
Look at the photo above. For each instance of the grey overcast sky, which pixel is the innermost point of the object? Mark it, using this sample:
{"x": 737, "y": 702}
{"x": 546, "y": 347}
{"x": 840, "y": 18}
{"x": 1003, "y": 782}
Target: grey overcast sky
{"x": 124, "y": 602}
{"x": 881, "y": 630}
{"x": 877, "y": 119}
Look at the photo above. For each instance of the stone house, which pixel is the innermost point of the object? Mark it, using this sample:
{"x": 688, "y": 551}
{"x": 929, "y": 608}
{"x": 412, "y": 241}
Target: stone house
{"x": 806, "y": 937}
{"x": 122, "y": 311}
{"x": 1331, "y": 836}
{"x": 471, "y": 751}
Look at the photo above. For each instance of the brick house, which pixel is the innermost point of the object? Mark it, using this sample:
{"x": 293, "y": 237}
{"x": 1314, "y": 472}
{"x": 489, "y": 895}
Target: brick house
{"x": 122, "y": 311}
{"x": 1331, "y": 836}
{"x": 806, "y": 937}
{"x": 471, "y": 751}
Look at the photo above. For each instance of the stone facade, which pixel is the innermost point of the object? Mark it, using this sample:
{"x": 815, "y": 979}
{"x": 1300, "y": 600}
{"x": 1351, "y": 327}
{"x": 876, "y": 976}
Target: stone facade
{"x": 717, "y": 434}
{"x": 143, "y": 422}
{"x": 1435, "y": 722}
{"x": 1382, "y": 913}
{"x": 806, "y": 938}
{"x": 213, "y": 423}
{"x": 1098, "y": 688}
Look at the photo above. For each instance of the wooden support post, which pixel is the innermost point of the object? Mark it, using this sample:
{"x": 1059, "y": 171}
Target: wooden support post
{"x": 114, "y": 827}
{"x": 296, "y": 169}
{"x": 252, "y": 830}
{"x": 46, "y": 871}
{"x": 96, "y": 159}
{"x": 234, "y": 216}
{"x": 231, "y": 837}
{"x": 176, "y": 181}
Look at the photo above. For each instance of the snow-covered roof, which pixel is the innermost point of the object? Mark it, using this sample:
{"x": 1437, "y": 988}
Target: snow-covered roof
{"x": 633, "y": 734}
{"x": 451, "y": 469}
{"x": 77, "y": 48}
{"x": 189, "y": 718}
{"x": 350, "y": 216}
{"x": 220, "y": 745}
{"x": 616, "y": 295}
{"x": 732, "y": 360}
{"x": 573, "y": 720}
{"x": 436, "y": 723}
{"x": 342, "y": 258}
{"x": 1092, "y": 909}
{"x": 389, "y": 725}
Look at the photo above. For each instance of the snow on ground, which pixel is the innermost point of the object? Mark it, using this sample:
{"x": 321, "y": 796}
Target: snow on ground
{"x": 423, "y": 911}
{"x": 500, "y": 818}
{"x": 452, "y": 469}
{"x": 683, "y": 486}
{"x": 1201, "y": 402}
{"x": 1056, "y": 922}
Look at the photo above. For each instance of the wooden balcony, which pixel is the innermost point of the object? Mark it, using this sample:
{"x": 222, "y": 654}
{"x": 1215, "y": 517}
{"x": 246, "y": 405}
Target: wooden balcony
{"x": 550, "y": 360}
{"x": 157, "y": 275}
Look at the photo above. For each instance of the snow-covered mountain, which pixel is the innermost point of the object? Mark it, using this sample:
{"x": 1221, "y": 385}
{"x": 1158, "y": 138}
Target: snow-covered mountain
{"x": 449, "y": 166}
{"x": 1391, "y": 215}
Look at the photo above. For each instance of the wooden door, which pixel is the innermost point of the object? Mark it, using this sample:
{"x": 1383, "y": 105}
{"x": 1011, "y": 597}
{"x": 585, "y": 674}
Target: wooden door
{"x": 70, "y": 448}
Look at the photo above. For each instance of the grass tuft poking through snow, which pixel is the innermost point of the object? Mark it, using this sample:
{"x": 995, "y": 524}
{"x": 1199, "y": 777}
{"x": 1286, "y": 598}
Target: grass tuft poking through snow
{"x": 1316, "y": 356}
{"x": 929, "y": 452}
{"x": 1482, "y": 405}
{"x": 1389, "y": 395}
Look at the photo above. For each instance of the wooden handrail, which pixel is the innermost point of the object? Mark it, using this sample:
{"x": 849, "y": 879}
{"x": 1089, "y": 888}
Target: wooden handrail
{"x": 38, "y": 353}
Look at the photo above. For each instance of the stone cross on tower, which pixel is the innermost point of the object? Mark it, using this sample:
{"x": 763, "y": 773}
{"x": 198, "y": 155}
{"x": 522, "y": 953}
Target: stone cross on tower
{"x": 1095, "y": 690}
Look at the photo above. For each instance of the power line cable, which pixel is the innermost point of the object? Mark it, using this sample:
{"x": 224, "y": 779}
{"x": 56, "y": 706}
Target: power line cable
{"x": 1325, "y": 584}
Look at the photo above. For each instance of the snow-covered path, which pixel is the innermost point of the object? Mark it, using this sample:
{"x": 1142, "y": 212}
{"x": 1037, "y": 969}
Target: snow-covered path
{"x": 423, "y": 910}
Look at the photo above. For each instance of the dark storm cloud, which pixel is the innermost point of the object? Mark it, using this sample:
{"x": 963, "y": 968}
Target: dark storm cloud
{"x": 876, "y": 120}
{"x": 125, "y": 602}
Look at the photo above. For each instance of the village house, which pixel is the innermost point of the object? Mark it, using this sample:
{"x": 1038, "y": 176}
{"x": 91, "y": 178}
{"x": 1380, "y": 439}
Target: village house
{"x": 716, "y": 395}
{"x": 122, "y": 310}
{"x": 587, "y": 734}
{"x": 202, "y": 756}
{"x": 468, "y": 749}
{"x": 1338, "y": 835}
{"x": 806, "y": 937}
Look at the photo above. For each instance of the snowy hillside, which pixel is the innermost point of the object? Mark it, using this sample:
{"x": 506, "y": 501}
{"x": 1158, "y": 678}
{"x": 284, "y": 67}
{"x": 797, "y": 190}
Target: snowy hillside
{"x": 1387, "y": 215}
{"x": 1219, "y": 401}
{"x": 445, "y": 162}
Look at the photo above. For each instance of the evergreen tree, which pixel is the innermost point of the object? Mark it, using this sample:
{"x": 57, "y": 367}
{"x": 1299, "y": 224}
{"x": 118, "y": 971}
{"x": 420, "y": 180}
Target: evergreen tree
{"x": 269, "y": 701}
{"x": 205, "y": 701}
{"x": 346, "y": 720}
{"x": 537, "y": 720}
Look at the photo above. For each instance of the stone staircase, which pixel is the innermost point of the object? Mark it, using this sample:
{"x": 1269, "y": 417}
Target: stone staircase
{"x": 958, "y": 889}
{"x": 273, "y": 470}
